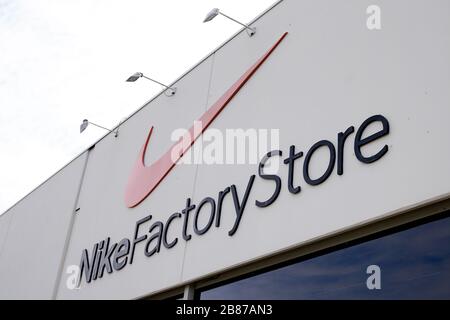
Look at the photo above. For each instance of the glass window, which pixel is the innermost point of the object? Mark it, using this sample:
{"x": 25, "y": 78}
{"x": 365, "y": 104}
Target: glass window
{"x": 414, "y": 263}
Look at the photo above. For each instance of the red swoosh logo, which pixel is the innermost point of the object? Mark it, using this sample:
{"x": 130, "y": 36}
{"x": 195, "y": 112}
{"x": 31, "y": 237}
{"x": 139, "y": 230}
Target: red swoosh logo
{"x": 143, "y": 180}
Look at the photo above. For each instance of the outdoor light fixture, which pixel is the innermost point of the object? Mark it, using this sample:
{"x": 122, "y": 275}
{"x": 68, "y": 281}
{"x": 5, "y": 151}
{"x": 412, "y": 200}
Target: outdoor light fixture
{"x": 170, "y": 90}
{"x": 215, "y": 12}
{"x": 86, "y": 122}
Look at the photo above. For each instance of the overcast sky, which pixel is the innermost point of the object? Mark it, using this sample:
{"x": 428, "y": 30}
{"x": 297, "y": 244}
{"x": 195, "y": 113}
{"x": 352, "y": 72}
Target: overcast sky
{"x": 65, "y": 60}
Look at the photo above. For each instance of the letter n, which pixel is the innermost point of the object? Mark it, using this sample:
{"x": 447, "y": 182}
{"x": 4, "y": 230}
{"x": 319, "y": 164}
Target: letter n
{"x": 85, "y": 266}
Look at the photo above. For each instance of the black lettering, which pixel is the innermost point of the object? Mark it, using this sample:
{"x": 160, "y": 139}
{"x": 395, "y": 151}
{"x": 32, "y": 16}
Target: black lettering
{"x": 122, "y": 251}
{"x": 322, "y": 143}
{"x": 157, "y": 236}
{"x": 137, "y": 239}
{"x": 239, "y": 207}
{"x": 85, "y": 265}
{"x": 211, "y": 215}
{"x": 186, "y": 212}
{"x": 105, "y": 258}
{"x": 222, "y": 195}
{"x": 273, "y": 177}
{"x": 97, "y": 259}
{"x": 290, "y": 161}
{"x": 166, "y": 244}
{"x": 359, "y": 142}
{"x": 342, "y": 136}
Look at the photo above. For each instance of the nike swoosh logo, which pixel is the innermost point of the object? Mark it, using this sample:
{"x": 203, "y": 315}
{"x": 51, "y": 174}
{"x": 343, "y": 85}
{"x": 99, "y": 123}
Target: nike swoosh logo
{"x": 143, "y": 180}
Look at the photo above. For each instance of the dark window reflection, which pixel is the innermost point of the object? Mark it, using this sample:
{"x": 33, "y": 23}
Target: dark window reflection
{"x": 415, "y": 264}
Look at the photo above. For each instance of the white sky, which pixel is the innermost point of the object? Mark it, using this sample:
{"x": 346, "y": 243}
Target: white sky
{"x": 65, "y": 60}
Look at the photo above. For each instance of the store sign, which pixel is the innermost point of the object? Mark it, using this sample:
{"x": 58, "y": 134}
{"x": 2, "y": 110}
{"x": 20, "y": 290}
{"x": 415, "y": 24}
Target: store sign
{"x": 150, "y": 236}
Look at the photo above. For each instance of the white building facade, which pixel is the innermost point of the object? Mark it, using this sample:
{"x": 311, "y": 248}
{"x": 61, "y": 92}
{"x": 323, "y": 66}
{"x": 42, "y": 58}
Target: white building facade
{"x": 360, "y": 117}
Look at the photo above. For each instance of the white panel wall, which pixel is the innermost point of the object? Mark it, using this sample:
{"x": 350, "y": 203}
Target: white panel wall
{"x": 331, "y": 72}
{"x": 34, "y": 233}
{"x": 5, "y": 221}
{"x": 103, "y": 211}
